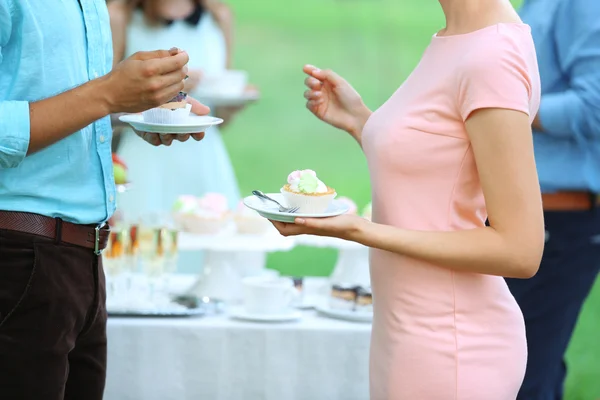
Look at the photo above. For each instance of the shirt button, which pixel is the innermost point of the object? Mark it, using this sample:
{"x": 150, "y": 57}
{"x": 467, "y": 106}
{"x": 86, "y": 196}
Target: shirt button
{"x": 102, "y": 138}
{"x": 111, "y": 198}
{"x": 95, "y": 74}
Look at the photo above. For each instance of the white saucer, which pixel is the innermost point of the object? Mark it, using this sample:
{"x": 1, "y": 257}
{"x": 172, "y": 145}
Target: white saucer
{"x": 347, "y": 315}
{"x": 220, "y": 100}
{"x": 193, "y": 124}
{"x": 270, "y": 210}
{"x": 240, "y": 313}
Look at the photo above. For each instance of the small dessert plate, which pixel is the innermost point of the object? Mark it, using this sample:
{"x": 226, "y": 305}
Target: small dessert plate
{"x": 193, "y": 124}
{"x": 270, "y": 211}
{"x": 241, "y": 314}
{"x": 226, "y": 100}
{"x": 346, "y": 315}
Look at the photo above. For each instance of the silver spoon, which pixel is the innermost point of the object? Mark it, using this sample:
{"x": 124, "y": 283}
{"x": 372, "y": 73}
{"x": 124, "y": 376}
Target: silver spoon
{"x": 263, "y": 197}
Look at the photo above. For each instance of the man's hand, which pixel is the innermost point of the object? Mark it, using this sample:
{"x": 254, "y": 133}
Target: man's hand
{"x": 145, "y": 80}
{"x": 156, "y": 140}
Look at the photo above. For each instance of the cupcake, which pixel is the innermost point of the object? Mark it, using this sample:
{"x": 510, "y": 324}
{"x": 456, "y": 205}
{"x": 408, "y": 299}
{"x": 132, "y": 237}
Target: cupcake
{"x": 306, "y": 191}
{"x": 206, "y": 215}
{"x": 175, "y": 111}
{"x": 352, "y": 208}
{"x": 248, "y": 222}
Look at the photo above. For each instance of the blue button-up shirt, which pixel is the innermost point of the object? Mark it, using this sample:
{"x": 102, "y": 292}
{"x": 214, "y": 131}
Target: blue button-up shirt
{"x": 567, "y": 38}
{"x": 48, "y": 47}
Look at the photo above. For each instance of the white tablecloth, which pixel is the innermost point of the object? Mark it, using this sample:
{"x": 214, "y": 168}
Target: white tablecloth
{"x": 217, "y": 358}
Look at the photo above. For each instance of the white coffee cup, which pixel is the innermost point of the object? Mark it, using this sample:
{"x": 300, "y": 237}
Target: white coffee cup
{"x": 268, "y": 295}
{"x": 226, "y": 83}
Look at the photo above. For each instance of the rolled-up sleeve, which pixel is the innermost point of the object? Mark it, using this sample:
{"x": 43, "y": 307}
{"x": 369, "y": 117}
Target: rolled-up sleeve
{"x": 14, "y": 115}
{"x": 14, "y": 132}
{"x": 575, "y": 113}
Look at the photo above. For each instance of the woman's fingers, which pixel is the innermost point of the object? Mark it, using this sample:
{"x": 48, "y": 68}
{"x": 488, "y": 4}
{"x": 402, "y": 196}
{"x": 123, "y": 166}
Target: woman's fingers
{"x": 312, "y": 95}
{"x": 313, "y": 83}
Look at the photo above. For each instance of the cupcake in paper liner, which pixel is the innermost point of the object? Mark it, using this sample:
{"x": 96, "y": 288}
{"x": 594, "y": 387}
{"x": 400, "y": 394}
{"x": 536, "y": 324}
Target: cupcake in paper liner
{"x": 249, "y": 222}
{"x": 206, "y": 215}
{"x": 306, "y": 191}
{"x": 175, "y": 111}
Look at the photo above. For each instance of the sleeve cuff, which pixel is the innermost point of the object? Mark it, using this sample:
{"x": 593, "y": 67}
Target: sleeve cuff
{"x": 559, "y": 113}
{"x": 14, "y": 133}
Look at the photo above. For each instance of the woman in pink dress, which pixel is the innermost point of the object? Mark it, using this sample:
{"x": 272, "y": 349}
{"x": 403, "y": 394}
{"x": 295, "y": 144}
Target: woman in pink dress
{"x": 450, "y": 148}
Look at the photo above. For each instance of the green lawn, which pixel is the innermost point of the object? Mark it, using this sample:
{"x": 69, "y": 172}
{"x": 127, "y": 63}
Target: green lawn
{"x": 374, "y": 45}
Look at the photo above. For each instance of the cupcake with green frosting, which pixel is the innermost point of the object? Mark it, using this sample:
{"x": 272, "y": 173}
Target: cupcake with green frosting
{"x": 306, "y": 191}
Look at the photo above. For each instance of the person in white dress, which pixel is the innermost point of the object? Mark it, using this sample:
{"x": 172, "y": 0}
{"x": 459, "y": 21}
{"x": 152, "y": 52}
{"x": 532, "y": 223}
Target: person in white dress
{"x": 202, "y": 28}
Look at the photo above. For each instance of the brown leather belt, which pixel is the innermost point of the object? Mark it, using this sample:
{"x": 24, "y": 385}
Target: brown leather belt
{"x": 88, "y": 236}
{"x": 570, "y": 201}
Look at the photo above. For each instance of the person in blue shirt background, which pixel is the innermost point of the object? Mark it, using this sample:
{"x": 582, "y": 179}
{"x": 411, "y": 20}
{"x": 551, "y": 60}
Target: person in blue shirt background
{"x": 567, "y": 148}
{"x": 57, "y": 189}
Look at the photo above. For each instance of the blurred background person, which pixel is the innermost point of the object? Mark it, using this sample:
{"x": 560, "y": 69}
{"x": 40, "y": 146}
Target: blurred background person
{"x": 567, "y": 148}
{"x": 204, "y": 29}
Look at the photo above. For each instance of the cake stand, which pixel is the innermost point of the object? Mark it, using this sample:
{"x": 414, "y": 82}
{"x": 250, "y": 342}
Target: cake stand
{"x": 352, "y": 266}
{"x": 230, "y": 257}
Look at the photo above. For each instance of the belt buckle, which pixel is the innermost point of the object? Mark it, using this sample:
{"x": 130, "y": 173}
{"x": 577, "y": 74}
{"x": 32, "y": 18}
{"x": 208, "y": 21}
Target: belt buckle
{"x": 97, "y": 250}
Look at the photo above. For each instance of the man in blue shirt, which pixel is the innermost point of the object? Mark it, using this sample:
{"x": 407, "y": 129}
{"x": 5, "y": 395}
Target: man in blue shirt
{"x": 57, "y": 187}
{"x": 567, "y": 148}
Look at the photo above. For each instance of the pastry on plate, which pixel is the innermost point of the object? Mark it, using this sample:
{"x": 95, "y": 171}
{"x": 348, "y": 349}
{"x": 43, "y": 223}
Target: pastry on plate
{"x": 364, "y": 300}
{"x": 343, "y": 297}
{"x": 304, "y": 190}
{"x": 173, "y": 112}
{"x": 209, "y": 214}
{"x": 249, "y": 222}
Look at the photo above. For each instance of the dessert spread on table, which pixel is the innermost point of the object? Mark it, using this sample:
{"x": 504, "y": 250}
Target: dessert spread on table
{"x": 249, "y": 222}
{"x": 306, "y": 191}
{"x": 351, "y": 298}
{"x": 209, "y": 214}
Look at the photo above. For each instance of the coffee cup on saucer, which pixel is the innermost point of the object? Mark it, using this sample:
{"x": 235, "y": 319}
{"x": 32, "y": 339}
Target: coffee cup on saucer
{"x": 264, "y": 295}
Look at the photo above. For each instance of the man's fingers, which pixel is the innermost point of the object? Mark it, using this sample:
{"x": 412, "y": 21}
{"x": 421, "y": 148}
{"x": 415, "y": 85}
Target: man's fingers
{"x": 149, "y": 55}
{"x": 182, "y": 138}
{"x": 165, "y": 65}
{"x": 198, "y": 136}
{"x": 197, "y": 107}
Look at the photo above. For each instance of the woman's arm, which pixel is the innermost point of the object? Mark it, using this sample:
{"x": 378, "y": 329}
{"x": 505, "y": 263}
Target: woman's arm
{"x": 223, "y": 16}
{"x": 512, "y": 246}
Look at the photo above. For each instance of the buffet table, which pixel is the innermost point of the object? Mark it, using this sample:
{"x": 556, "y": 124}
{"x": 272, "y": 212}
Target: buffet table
{"x": 215, "y": 357}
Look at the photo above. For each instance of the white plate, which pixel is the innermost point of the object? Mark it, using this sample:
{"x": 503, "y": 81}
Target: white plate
{"x": 218, "y": 100}
{"x": 240, "y": 313}
{"x": 270, "y": 210}
{"x": 347, "y": 315}
{"x": 194, "y": 124}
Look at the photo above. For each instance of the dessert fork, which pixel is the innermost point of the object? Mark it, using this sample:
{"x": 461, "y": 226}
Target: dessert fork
{"x": 264, "y": 197}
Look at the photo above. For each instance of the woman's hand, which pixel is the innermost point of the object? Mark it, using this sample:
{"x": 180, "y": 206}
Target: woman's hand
{"x": 346, "y": 227}
{"x": 333, "y": 100}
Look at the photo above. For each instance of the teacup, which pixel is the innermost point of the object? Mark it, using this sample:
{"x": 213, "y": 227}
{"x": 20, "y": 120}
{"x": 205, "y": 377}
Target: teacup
{"x": 225, "y": 83}
{"x": 266, "y": 295}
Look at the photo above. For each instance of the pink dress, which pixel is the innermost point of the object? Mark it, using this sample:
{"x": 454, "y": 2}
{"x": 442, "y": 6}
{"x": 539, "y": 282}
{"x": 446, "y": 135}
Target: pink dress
{"x": 440, "y": 334}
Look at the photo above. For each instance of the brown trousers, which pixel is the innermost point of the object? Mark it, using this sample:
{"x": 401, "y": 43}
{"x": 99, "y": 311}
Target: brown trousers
{"x": 52, "y": 320}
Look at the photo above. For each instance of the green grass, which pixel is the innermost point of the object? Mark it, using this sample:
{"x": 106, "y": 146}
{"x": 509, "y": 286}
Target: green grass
{"x": 374, "y": 45}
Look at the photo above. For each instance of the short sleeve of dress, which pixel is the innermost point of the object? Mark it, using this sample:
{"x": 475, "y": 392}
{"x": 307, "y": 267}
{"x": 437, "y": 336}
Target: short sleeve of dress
{"x": 497, "y": 75}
